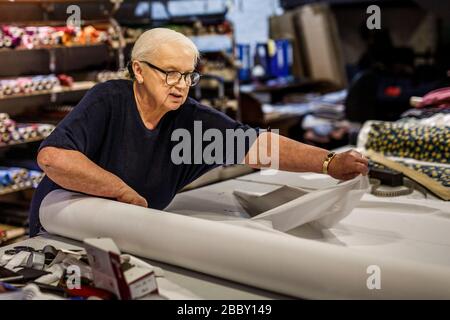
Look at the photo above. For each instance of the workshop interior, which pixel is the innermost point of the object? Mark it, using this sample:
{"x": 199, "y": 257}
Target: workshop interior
{"x": 338, "y": 75}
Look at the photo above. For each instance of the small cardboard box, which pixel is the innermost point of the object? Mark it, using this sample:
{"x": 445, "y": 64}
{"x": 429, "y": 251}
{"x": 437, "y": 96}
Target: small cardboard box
{"x": 104, "y": 259}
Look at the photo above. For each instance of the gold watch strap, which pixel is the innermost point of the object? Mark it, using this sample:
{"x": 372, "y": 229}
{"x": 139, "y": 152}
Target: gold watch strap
{"x": 327, "y": 161}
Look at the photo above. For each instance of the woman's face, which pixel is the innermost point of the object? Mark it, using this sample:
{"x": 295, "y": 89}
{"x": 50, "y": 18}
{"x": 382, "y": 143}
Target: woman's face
{"x": 162, "y": 95}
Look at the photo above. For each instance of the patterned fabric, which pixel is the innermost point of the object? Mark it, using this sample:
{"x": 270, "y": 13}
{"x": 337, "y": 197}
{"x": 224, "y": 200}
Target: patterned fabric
{"x": 424, "y": 143}
{"x": 439, "y": 173}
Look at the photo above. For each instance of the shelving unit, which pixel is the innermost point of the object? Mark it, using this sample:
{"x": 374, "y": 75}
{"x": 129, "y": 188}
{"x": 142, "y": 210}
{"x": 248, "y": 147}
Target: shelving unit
{"x": 77, "y": 86}
{"x": 12, "y": 189}
{"x": 289, "y": 4}
{"x": 81, "y": 61}
{"x": 57, "y": 1}
{"x": 9, "y": 144}
{"x": 52, "y": 47}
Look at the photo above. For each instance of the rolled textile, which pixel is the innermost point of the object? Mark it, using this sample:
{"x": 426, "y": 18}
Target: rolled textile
{"x": 277, "y": 262}
{"x": 3, "y": 116}
{"x": 407, "y": 140}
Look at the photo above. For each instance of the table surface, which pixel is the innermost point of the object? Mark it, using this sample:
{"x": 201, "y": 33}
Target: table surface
{"x": 407, "y": 227}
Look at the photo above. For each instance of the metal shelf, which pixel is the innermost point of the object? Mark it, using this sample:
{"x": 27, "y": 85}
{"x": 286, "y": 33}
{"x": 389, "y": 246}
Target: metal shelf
{"x": 56, "y": 23}
{"x": 12, "y": 189}
{"x": 14, "y": 143}
{"x": 292, "y": 4}
{"x": 54, "y": 47}
{"x": 56, "y": 1}
{"x": 77, "y": 86}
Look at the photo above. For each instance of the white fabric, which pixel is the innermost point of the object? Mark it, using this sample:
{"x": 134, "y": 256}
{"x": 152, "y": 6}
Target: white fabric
{"x": 280, "y": 263}
{"x": 288, "y": 207}
{"x": 19, "y": 260}
{"x": 311, "y": 181}
{"x": 409, "y": 229}
{"x": 56, "y": 273}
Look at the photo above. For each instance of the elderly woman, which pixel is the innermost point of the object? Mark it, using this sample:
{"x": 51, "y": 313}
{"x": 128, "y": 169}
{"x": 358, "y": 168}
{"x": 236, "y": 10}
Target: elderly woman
{"x": 117, "y": 143}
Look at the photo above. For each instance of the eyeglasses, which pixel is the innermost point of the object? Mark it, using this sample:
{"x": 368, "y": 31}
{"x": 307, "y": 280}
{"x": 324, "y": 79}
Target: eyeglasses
{"x": 173, "y": 77}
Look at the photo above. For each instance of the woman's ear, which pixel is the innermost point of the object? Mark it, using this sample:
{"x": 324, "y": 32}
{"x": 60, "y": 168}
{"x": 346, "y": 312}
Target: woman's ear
{"x": 137, "y": 69}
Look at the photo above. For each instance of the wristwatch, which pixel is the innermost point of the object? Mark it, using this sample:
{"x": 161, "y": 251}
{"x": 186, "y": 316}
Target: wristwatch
{"x": 327, "y": 161}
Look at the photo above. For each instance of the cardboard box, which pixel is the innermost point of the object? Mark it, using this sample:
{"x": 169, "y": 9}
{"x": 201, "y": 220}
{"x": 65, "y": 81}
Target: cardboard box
{"x": 131, "y": 283}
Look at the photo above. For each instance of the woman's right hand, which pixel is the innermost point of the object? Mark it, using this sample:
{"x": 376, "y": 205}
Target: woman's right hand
{"x": 128, "y": 195}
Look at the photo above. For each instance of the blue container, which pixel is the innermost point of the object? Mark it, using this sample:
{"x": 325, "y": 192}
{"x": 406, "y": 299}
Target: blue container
{"x": 262, "y": 58}
{"x": 9, "y": 176}
{"x": 283, "y": 58}
{"x": 5, "y": 178}
{"x": 283, "y": 65}
{"x": 243, "y": 55}
{"x": 273, "y": 57}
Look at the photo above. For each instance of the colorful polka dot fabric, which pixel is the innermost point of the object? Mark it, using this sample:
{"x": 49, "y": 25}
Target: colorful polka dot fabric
{"x": 424, "y": 143}
{"x": 436, "y": 172}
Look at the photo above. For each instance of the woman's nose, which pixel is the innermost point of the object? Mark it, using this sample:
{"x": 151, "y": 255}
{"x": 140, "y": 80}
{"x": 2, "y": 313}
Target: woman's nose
{"x": 181, "y": 85}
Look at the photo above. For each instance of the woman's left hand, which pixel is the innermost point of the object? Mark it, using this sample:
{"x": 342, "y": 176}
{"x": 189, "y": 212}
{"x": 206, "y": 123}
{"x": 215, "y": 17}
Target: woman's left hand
{"x": 348, "y": 165}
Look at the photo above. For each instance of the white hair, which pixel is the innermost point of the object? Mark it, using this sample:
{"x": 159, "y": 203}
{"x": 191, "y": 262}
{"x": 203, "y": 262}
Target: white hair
{"x": 149, "y": 43}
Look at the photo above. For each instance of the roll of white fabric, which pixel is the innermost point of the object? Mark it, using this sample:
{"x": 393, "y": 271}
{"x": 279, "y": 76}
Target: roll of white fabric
{"x": 276, "y": 262}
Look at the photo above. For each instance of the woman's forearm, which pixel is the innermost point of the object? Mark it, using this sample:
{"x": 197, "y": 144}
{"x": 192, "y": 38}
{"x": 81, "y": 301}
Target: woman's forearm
{"x": 292, "y": 155}
{"x": 74, "y": 171}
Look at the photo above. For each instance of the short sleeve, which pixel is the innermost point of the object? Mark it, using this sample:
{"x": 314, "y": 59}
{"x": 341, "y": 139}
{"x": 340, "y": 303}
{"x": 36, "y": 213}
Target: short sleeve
{"x": 237, "y": 138}
{"x": 235, "y": 141}
{"x": 84, "y": 127}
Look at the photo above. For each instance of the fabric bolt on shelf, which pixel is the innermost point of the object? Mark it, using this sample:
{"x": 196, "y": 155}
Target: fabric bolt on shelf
{"x": 430, "y": 117}
{"x": 409, "y": 140}
{"x": 290, "y": 207}
{"x": 439, "y": 119}
{"x": 276, "y": 262}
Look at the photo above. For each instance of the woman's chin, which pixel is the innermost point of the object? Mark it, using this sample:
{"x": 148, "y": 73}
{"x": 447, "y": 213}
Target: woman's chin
{"x": 173, "y": 106}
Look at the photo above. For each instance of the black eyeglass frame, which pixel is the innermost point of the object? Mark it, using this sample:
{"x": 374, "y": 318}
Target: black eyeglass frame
{"x": 182, "y": 75}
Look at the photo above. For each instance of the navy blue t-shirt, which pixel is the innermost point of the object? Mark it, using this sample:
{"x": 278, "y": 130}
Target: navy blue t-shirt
{"x": 107, "y": 128}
